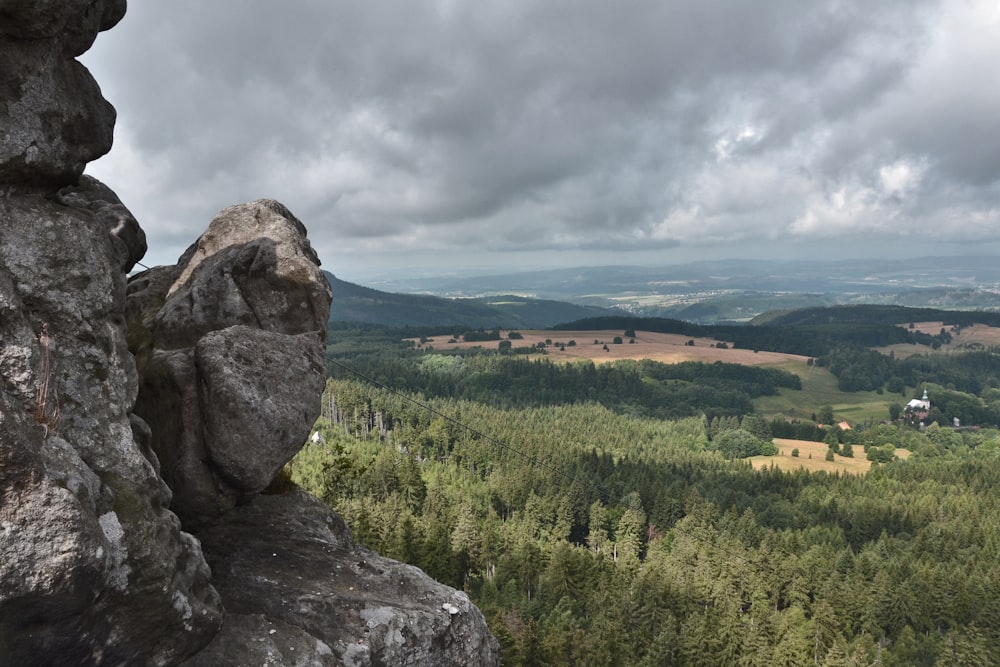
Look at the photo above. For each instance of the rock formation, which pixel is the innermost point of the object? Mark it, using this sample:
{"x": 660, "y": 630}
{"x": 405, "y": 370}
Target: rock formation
{"x": 229, "y": 347}
{"x": 229, "y": 344}
{"x": 298, "y": 591}
{"x": 54, "y": 118}
{"x": 95, "y": 449}
{"x": 93, "y": 567}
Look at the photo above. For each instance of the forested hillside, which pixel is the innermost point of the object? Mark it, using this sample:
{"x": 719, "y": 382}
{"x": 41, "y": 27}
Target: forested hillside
{"x": 593, "y": 538}
{"x": 605, "y": 513}
{"x": 644, "y": 387}
{"x": 366, "y": 306}
{"x": 874, "y": 314}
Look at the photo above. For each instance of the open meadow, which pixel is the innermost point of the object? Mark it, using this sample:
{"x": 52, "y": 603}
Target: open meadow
{"x": 819, "y": 388}
{"x": 812, "y": 457}
{"x": 964, "y": 338}
{"x": 668, "y": 348}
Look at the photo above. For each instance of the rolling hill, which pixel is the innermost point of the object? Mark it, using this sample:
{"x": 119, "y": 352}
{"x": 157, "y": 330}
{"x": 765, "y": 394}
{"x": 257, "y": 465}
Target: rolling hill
{"x": 355, "y": 303}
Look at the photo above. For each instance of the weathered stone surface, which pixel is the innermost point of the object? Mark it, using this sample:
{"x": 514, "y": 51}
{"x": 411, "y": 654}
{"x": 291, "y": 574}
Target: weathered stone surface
{"x": 255, "y": 426}
{"x": 93, "y": 568}
{"x": 72, "y": 23}
{"x": 53, "y": 119}
{"x": 298, "y": 591}
{"x": 229, "y": 345}
{"x": 92, "y": 195}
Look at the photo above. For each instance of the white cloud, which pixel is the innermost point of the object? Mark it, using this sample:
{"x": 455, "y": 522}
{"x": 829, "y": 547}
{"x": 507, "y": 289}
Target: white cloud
{"x": 900, "y": 178}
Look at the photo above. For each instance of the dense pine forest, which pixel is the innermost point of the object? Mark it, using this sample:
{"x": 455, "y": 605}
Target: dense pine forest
{"x": 604, "y": 514}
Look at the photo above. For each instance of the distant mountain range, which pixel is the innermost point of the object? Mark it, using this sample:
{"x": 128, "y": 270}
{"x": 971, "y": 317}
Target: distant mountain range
{"x": 798, "y": 276}
{"x": 703, "y": 292}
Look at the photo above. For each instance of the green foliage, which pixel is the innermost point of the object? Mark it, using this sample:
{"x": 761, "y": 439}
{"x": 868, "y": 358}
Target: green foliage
{"x": 825, "y": 415}
{"x": 325, "y": 469}
{"x": 645, "y": 387}
{"x": 881, "y": 454}
{"x": 481, "y": 336}
{"x": 795, "y": 429}
{"x": 650, "y": 534}
{"x": 739, "y": 444}
{"x": 629, "y": 539}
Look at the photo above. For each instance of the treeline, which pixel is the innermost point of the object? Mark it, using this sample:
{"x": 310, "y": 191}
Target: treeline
{"x": 876, "y": 314}
{"x": 648, "y": 388}
{"x": 594, "y": 538}
{"x": 806, "y": 338}
{"x": 843, "y": 345}
{"x": 964, "y": 383}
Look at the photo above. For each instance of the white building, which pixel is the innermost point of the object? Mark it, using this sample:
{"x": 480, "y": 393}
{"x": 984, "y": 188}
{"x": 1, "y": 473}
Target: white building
{"x": 919, "y": 404}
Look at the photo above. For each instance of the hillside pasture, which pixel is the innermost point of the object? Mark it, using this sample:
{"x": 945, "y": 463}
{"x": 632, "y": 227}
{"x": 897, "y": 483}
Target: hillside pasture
{"x": 668, "y": 348}
{"x": 819, "y": 388}
{"x": 970, "y": 336}
{"x": 856, "y": 465}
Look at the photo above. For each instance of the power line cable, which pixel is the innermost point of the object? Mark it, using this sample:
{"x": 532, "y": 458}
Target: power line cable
{"x": 474, "y": 431}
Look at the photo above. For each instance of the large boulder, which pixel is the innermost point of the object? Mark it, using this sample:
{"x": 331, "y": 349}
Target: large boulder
{"x": 53, "y": 119}
{"x": 70, "y": 26}
{"x": 229, "y": 344}
{"x": 298, "y": 591}
{"x": 93, "y": 567}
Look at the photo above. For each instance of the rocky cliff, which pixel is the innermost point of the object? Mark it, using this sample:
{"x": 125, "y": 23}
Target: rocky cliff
{"x": 102, "y": 447}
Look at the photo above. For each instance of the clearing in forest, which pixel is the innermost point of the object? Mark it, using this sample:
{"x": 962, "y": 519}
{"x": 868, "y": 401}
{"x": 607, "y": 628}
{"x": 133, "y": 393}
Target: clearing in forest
{"x": 783, "y": 460}
{"x": 970, "y": 336}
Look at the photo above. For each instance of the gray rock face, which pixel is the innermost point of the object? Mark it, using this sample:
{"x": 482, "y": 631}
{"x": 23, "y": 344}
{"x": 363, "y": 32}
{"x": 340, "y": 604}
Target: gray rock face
{"x": 53, "y": 119}
{"x": 89, "y": 194}
{"x": 229, "y": 345}
{"x": 94, "y": 569}
{"x": 71, "y": 24}
{"x": 92, "y": 566}
{"x": 299, "y": 592}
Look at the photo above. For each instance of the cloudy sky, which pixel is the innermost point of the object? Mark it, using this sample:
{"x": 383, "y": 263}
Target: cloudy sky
{"x": 442, "y": 136}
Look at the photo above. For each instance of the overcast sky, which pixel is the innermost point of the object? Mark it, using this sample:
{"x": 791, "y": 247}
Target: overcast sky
{"x": 443, "y": 136}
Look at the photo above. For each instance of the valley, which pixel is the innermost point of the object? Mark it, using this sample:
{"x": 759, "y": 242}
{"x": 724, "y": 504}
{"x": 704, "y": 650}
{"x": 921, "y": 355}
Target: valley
{"x": 707, "y": 494}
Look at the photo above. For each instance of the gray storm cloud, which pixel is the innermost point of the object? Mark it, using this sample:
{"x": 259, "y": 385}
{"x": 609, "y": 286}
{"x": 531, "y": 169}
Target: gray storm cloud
{"x": 403, "y": 131}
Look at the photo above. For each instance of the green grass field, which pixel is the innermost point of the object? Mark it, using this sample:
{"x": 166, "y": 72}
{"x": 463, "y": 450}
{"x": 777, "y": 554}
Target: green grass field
{"x": 819, "y": 388}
